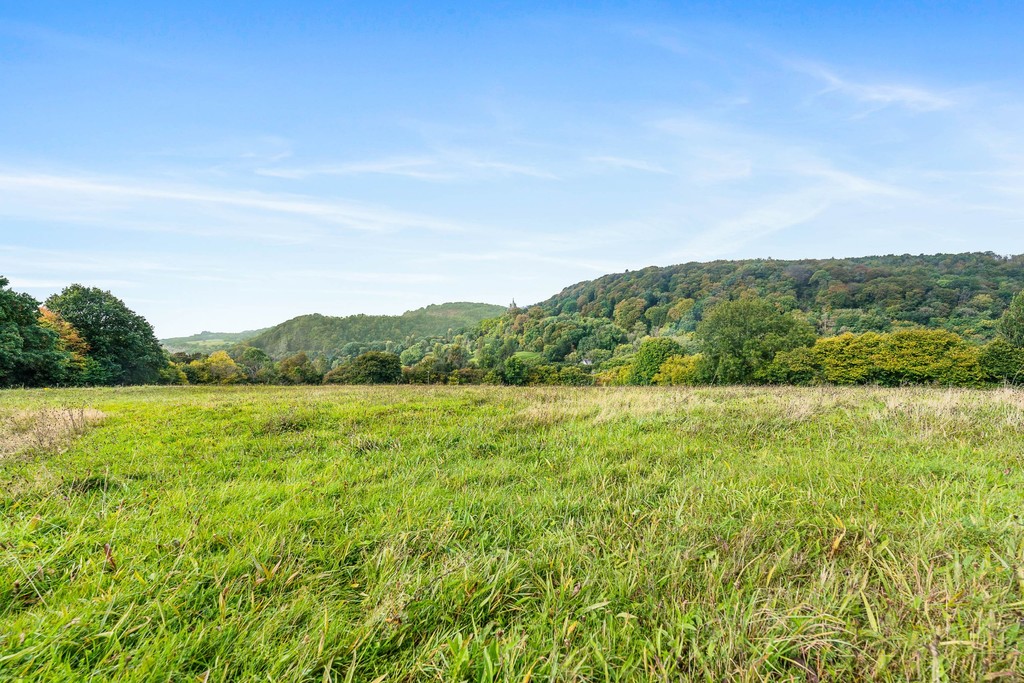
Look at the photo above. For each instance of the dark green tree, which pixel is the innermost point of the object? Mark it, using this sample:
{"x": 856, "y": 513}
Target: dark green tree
{"x": 1002, "y": 361}
{"x": 120, "y": 341}
{"x": 647, "y": 361}
{"x": 1011, "y": 325}
{"x": 29, "y": 353}
{"x": 740, "y": 338}
{"x": 372, "y": 367}
{"x": 515, "y": 371}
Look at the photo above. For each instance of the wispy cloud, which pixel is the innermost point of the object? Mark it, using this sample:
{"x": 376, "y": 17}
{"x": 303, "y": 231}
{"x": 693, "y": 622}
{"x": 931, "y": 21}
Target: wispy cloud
{"x": 878, "y": 95}
{"x": 384, "y": 278}
{"x": 444, "y": 166}
{"x": 628, "y": 164}
{"x": 512, "y": 257}
{"x": 86, "y": 199}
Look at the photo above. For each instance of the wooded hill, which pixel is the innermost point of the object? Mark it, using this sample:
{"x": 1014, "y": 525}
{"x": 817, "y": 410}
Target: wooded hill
{"x": 331, "y": 336}
{"x": 964, "y": 293}
{"x": 208, "y": 342}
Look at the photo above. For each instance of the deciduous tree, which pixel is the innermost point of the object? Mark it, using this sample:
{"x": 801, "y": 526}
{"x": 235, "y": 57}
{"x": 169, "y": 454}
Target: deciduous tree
{"x": 1011, "y": 325}
{"x": 738, "y": 338}
{"x": 29, "y": 352}
{"x": 121, "y": 342}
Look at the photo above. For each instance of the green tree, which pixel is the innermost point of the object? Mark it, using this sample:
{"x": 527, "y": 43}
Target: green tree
{"x": 120, "y": 341}
{"x": 30, "y": 354}
{"x": 653, "y": 352}
{"x": 739, "y": 338}
{"x": 628, "y": 312}
{"x": 257, "y": 365}
{"x": 372, "y": 367}
{"x": 1011, "y": 325}
{"x": 515, "y": 371}
{"x": 798, "y": 366}
{"x": 299, "y": 369}
{"x": 221, "y": 369}
{"x": 1002, "y": 361}
{"x": 78, "y": 366}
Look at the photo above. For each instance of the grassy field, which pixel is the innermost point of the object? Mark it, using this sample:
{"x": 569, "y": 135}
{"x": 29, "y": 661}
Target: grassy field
{"x": 479, "y": 534}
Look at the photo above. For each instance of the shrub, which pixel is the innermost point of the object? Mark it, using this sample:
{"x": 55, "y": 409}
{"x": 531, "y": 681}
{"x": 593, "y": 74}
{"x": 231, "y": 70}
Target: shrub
{"x": 915, "y": 356}
{"x": 848, "y": 358}
{"x": 613, "y": 377}
{"x": 467, "y": 376}
{"x": 574, "y": 377}
{"x": 542, "y": 375}
{"x": 799, "y": 366}
{"x": 1001, "y": 361}
{"x": 648, "y": 360}
{"x": 217, "y": 368}
{"x": 515, "y": 372}
{"x": 1011, "y": 325}
{"x": 928, "y": 357}
{"x": 677, "y": 370}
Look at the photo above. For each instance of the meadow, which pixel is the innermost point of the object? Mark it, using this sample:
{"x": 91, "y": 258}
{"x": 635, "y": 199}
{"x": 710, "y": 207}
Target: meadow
{"x": 512, "y": 534}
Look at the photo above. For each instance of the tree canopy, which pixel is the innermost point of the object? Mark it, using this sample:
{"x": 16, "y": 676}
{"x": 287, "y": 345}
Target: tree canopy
{"x": 121, "y": 342}
{"x": 740, "y": 338}
{"x": 30, "y": 354}
{"x": 1011, "y": 325}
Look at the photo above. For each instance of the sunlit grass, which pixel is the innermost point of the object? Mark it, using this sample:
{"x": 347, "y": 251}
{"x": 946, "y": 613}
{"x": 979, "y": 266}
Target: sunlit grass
{"x": 476, "y": 533}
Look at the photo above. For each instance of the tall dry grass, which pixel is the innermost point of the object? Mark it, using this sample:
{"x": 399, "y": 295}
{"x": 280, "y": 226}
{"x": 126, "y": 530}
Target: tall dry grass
{"x": 45, "y": 429}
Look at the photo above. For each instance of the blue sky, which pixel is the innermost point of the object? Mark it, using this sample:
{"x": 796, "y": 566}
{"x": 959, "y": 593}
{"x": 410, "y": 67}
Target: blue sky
{"x": 230, "y": 165}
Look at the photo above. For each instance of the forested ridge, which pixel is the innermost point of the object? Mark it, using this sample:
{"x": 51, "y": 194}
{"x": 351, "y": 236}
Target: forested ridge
{"x": 964, "y": 293}
{"x": 323, "y": 335}
{"x": 946, "y": 319}
{"x": 207, "y": 342}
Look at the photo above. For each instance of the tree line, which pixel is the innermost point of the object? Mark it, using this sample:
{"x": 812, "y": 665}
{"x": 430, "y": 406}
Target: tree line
{"x": 86, "y": 336}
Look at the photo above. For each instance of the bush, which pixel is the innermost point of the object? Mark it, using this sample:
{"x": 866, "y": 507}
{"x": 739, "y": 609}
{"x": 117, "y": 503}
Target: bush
{"x": 613, "y": 377}
{"x": 799, "y": 367}
{"x": 467, "y": 376}
{"x": 915, "y": 356}
{"x": 573, "y": 376}
{"x": 648, "y": 360}
{"x": 677, "y": 370}
{"x": 1001, "y": 361}
{"x": 515, "y": 372}
{"x": 848, "y": 358}
{"x": 1011, "y": 325}
{"x": 928, "y": 357}
{"x": 542, "y": 375}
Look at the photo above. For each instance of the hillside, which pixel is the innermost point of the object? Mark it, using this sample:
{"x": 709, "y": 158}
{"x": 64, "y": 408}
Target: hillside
{"x": 964, "y": 293}
{"x": 328, "y": 335}
{"x": 207, "y": 342}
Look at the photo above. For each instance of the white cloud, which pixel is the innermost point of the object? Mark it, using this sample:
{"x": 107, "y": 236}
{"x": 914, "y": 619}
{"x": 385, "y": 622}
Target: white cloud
{"x": 879, "y": 95}
{"x": 442, "y": 166}
{"x": 629, "y": 164}
{"x": 85, "y": 199}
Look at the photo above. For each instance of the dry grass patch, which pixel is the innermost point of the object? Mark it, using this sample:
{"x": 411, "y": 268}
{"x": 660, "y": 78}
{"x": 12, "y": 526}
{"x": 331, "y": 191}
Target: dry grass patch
{"x": 46, "y": 429}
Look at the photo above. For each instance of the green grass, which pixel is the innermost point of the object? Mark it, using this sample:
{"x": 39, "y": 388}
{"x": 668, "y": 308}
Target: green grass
{"x": 477, "y": 534}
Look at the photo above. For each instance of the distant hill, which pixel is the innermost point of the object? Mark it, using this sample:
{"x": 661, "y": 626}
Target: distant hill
{"x": 965, "y": 293}
{"x": 207, "y": 342}
{"x": 328, "y": 335}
